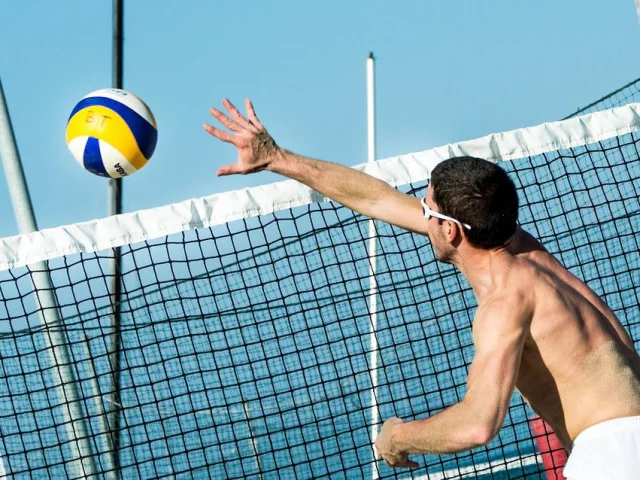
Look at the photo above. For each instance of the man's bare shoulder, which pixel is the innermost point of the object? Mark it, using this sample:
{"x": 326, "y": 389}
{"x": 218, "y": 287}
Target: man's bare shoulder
{"x": 535, "y": 256}
{"x": 524, "y": 243}
{"x": 512, "y": 283}
{"x": 509, "y": 302}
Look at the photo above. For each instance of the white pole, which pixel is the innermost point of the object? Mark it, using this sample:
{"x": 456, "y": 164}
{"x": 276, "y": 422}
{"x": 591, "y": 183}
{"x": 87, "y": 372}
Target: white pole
{"x": 373, "y": 287}
{"x": 83, "y": 463}
{"x": 253, "y": 439}
{"x": 638, "y": 8}
{"x": 3, "y": 472}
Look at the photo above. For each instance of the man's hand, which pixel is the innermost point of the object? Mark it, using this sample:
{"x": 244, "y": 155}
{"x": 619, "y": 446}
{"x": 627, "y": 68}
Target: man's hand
{"x": 388, "y": 451}
{"x": 256, "y": 148}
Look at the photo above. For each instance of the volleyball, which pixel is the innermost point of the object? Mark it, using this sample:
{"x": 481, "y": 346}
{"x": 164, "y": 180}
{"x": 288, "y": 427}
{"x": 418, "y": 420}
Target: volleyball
{"x": 112, "y": 133}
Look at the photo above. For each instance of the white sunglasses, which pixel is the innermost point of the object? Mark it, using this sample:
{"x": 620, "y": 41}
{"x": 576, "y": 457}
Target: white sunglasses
{"x": 428, "y": 213}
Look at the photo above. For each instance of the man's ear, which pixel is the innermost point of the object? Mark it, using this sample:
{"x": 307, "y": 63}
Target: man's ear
{"x": 454, "y": 233}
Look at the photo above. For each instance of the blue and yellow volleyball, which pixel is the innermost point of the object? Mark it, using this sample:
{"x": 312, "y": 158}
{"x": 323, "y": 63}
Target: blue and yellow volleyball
{"x": 112, "y": 133}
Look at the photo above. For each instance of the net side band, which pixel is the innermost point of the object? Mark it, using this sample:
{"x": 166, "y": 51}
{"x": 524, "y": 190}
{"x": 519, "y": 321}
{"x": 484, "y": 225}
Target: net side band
{"x": 114, "y": 231}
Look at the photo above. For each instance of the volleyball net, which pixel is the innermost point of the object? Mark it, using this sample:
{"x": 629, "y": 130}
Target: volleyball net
{"x": 628, "y": 93}
{"x": 248, "y": 347}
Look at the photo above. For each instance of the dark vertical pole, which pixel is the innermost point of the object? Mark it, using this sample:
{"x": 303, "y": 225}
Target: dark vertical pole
{"x": 115, "y": 207}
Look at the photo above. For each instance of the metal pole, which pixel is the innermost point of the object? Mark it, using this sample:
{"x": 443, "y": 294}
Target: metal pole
{"x": 84, "y": 462}
{"x": 373, "y": 287}
{"x": 93, "y": 386}
{"x": 115, "y": 263}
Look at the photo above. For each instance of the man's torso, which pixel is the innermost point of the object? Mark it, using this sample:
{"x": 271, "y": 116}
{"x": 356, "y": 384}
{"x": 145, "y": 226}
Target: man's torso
{"x": 578, "y": 365}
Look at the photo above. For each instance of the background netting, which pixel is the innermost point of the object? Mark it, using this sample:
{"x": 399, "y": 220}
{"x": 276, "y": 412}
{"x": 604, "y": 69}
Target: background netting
{"x": 629, "y": 93}
{"x": 246, "y": 349}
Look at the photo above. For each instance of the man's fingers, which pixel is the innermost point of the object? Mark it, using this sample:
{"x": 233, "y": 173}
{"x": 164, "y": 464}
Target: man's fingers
{"x": 237, "y": 116}
{"x": 223, "y": 119}
{"x": 401, "y": 463}
{"x": 229, "y": 170}
{"x": 411, "y": 464}
{"x": 220, "y": 134}
{"x": 252, "y": 114}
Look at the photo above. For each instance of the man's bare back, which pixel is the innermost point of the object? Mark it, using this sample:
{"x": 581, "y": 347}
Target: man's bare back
{"x": 576, "y": 353}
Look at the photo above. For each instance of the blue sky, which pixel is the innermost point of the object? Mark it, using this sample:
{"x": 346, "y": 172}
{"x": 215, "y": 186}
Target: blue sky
{"x": 446, "y": 71}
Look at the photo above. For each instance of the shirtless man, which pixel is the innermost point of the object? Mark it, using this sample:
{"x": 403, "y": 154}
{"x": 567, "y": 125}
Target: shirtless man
{"x": 537, "y": 327}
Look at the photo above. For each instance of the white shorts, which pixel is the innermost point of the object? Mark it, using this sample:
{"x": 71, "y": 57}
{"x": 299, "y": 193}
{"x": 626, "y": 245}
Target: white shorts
{"x": 607, "y": 450}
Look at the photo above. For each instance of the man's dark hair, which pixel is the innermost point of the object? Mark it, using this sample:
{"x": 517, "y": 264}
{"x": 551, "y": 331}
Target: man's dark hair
{"x": 479, "y": 193}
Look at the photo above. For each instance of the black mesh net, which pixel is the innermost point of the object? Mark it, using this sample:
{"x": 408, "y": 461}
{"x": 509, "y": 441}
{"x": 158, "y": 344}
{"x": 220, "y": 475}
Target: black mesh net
{"x": 246, "y": 349}
{"x": 629, "y": 93}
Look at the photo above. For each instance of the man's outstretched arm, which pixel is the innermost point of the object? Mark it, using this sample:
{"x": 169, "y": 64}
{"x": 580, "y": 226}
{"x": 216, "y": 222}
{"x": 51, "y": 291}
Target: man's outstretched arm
{"x": 500, "y": 329}
{"x": 355, "y": 190}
